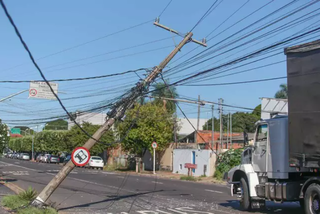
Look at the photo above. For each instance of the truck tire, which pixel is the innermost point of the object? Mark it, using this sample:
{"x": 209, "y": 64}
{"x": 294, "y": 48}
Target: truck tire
{"x": 312, "y": 199}
{"x": 245, "y": 201}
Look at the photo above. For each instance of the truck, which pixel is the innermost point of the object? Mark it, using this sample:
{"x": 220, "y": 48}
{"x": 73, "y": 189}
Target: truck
{"x": 283, "y": 163}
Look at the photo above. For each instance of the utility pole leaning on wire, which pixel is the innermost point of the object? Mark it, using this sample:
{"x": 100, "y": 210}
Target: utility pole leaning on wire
{"x": 116, "y": 113}
{"x": 221, "y": 123}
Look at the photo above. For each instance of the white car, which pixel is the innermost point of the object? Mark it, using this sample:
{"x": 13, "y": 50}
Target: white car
{"x": 25, "y": 156}
{"x": 96, "y": 162}
{"x": 45, "y": 158}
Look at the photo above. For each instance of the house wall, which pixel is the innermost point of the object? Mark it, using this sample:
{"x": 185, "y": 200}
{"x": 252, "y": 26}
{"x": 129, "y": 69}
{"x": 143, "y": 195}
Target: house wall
{"x": 203, "y": 157}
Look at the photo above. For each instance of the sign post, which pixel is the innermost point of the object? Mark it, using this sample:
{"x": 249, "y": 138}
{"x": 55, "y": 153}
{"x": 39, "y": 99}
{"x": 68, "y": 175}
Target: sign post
{"x": 154, "y": 146}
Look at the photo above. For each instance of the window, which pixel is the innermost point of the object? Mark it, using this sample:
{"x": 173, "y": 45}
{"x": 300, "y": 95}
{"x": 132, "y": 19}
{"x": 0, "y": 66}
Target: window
{"x": 180, "y": 167}
{"x": 261, "y": 138}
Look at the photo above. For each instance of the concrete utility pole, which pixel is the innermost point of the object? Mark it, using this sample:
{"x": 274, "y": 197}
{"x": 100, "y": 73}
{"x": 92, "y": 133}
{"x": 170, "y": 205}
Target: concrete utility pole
{"x": 221, "y": 123}
{"x": 228, "y": 120}
{"x": 212, "y": 127}
{"x": 231, "y": 130}
{"x": 116, "y": 113}
{"x": 198, "y": 113}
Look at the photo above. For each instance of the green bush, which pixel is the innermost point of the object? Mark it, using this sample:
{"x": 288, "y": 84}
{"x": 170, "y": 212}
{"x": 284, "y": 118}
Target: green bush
{"x": 28, "y": 195}
{"x": 226, "y": 161}
{"x": 58, "y": 141}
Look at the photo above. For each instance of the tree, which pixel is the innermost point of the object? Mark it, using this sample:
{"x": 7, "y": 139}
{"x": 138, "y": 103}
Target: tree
{"x": 4, "y": 138}
{"x": 241, "y": 121}
{"x": 283, "y": 92}
{"x": 160, "y": 90}
{"x": 144, "y": 124}
{"x": 77, "y": 138}
{"x": 257, "y": 111}
{"x": 58, "y": 124}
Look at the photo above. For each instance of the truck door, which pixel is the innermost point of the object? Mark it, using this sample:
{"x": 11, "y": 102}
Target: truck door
{"x": 259, "y": 155}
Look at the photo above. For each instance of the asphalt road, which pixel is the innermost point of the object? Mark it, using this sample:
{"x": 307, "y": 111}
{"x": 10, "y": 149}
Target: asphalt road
{"x": 93, "y": 191}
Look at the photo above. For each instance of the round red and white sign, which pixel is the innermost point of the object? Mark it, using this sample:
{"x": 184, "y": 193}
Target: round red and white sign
{"x": 80, "y": 156}
{"x": 33, "y": 92}
{"x": 154, "y": 145}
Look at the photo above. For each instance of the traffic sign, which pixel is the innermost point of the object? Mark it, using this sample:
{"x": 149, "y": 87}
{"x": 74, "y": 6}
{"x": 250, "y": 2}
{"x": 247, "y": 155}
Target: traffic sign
{"x": 15, "y": 131}
{"x": 33, "y": 92}
{"x": 154, "y": 145}
{"x": 80, "y": 156}
{"x": 41, "y": 90}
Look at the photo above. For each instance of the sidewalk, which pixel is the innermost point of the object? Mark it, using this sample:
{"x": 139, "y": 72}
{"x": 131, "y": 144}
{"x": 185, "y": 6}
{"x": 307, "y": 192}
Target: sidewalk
{"x": 3, "y": 192}
{"x": 170, "y": 175}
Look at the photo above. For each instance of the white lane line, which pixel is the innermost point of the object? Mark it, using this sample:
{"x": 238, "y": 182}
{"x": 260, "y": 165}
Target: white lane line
{"x": 155, "y": 182}
{"x": 209, "y": 190}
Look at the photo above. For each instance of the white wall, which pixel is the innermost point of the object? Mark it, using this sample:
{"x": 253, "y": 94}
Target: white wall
{"x": 186, "y": 128}
{"x": 203, "y": 157}
{"x": 273, "y": 105}
{"x": 90, "y": 117}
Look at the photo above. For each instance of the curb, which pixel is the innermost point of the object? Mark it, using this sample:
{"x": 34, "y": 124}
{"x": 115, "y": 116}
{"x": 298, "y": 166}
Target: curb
{"x": 15, "y": 188}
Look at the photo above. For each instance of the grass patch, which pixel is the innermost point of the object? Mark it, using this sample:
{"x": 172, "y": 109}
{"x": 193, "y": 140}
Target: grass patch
{"x": 33, "y": 210}
{"x": 20, "y": 203}
{"x": 188, "y": 178}
{"x": 14, "y": 201}
{"x": 109, "y": 168}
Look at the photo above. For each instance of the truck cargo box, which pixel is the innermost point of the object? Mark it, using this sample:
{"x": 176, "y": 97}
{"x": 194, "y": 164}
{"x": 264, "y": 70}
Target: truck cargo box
{"x": 303, "y": 71}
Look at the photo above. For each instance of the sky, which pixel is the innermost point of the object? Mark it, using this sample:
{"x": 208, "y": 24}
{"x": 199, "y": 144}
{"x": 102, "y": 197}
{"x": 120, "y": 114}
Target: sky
{"x": 77, "y": 38}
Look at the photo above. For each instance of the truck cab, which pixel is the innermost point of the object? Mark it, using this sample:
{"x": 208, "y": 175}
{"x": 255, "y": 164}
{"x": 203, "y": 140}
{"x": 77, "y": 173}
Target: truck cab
{"x": 264, "y": 172}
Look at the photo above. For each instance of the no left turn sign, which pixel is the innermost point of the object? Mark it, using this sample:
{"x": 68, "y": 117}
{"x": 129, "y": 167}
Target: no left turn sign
{"x": 154, "y": 145}
{"x": 80, "y": 156}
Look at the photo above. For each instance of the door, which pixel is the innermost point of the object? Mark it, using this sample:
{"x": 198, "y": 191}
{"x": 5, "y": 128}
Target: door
{"x": 193, "y": 160}
{"x": 259, "y": 155}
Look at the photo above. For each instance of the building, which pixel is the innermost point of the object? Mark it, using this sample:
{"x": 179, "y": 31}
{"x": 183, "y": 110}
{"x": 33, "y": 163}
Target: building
{"x": 94, "y": 118}
{"x": 273, "y": 105}
{"x": 204, "y": 159}
{"x": 185, "y": 128}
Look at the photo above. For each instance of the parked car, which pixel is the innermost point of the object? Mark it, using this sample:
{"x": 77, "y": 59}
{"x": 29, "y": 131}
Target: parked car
{"x": 38, "y": 158}
{"x": 10, "y": 155}
{"x": 45, "y": 158}
{"x": 53, "y": 159}
{"x": 24, "y": 156}
{"x": 96, "y": 162}
{"x": 66, "y": 160}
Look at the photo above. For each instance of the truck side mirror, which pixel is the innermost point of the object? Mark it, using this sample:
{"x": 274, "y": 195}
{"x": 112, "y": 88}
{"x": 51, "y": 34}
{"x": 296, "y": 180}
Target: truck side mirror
{"x": 245, "y": 138}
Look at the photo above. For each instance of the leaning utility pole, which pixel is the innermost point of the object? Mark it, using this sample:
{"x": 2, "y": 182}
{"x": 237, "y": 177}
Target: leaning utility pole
{"x": 117, "y": 112}
{"x": 221, "y": 123}
{"x": 198, "y": 120}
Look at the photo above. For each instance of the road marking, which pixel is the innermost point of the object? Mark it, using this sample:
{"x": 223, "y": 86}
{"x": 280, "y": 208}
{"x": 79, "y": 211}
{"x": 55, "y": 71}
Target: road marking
{"x": 109, "y": 173}
{"x": 155, "y": 182}
{"x": 209, "y": 190}
{"x": 16, "y": 172}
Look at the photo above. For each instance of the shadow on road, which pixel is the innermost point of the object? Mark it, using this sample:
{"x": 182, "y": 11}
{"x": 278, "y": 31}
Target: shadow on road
{"x": 7, "y": 180}
{"x": 117, "y": 198}
{"x": 271, "y": 207}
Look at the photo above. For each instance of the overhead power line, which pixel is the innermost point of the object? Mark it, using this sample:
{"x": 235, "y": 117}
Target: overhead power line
{"x": 76, "y": 79}
{"x": 204, "y": 16}
{"x": 38, "y": 68}
{"x": 84, "y": 43}
{"x": 165, "y": 8}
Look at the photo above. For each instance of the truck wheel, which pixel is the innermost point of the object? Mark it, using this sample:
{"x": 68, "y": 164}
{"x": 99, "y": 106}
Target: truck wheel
{"x": 312, "y": 199}
{"x": 245, "y": 201}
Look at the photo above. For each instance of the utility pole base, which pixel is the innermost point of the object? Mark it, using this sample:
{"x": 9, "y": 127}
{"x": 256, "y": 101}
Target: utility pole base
{"x": 38, "y": 202}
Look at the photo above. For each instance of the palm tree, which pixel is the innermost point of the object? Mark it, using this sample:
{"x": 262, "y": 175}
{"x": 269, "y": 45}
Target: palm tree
{"x": 283, "y": 92}
{"x": 160, "y": 90}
